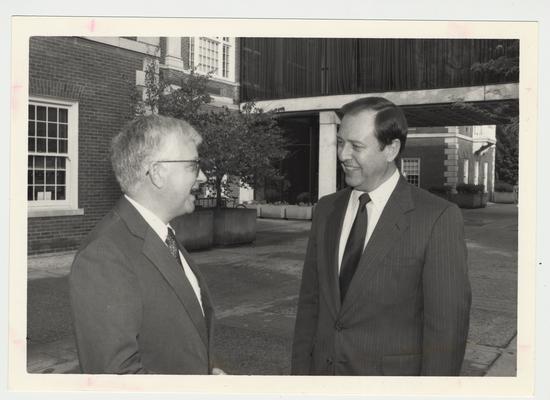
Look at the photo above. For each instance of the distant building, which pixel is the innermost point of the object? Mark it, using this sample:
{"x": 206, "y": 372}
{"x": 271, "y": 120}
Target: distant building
{"x": 308, "y": 79}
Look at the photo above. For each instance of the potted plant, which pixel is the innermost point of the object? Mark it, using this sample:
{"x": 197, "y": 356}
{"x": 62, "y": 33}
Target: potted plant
{"x": 239, "y": 148}
{"x": 504, "y": 193}
{"x": 302, "y": 210}
{"x": 442, "y": 191}
{"x": 470, "y": 196}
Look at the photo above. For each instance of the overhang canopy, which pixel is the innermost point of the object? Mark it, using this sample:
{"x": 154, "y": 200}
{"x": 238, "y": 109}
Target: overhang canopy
{"x": 475, "y": 105}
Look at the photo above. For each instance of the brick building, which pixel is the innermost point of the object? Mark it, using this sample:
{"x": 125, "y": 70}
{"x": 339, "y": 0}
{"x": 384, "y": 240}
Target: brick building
{"x": 79, "y": 98}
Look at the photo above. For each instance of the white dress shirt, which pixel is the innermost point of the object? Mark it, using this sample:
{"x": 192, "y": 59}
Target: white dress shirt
{"x": 379, "y": 197}
{"x": 161, "y": 229}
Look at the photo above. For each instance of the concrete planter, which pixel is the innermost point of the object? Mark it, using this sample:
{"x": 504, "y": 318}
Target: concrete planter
{"x": 234, "y": 226}
{"x": 254, "y": 207}
{"x": 298, "y": 212}
{"x": 470, "y": 200}
{"x": 196, "y": 230}
{"x": 272, "y": 211}
{"x": 505, "y": 197}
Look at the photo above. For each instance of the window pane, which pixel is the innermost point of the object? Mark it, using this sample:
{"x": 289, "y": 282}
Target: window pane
{"x": 62, "y": 131}
{"x": 41, "y": 113}
{"x": 39, "y": 177}
{"x": 39, "y": 162}
{"x": 60, "y": 193}
{"x": 41, "y": 129}
{"x": 31, "y": 111}
{"x": 32, "y": 145}
{"x": 60, "y": 163}
{"x": 50, "y": 193}
{"x": 50, "y": 177}
{"x": 29, "y": 193}
{"x": 52, "y": 146}
{"x": 50, "y": 162}
{"x": 52, "y": 130}
{"x": 29, "y": 178}
{"x": 29, "y": 161}
{"x": 60, "y": 177}
{"x": 39, "y": 192}
{"x": 63, "y": 146}
{"x": 52, "y": 114}
{"x": 63, "y": 115}
{"x": 32, "y": 131}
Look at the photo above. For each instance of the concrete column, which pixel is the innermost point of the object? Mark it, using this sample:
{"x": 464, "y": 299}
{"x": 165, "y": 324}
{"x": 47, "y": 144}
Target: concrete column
{"x": 328, "y": 124}
{"x": 173, "y": 58}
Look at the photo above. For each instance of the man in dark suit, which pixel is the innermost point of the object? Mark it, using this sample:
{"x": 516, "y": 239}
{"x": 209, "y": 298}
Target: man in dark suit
{"x": 139, "y": 303}
{"x": 385, "y": 288}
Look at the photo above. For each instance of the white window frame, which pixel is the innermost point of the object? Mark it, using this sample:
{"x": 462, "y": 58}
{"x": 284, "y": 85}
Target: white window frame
{"x": 465, "y": 172}
{"x": 69, "y": 206}
{"x": 476, "y": 173}
{"x": 217, "y": 75}
{"x": 403, "y": 167}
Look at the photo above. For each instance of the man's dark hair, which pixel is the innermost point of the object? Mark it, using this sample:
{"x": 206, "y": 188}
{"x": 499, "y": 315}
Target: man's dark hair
{"x": 389, "y": 122}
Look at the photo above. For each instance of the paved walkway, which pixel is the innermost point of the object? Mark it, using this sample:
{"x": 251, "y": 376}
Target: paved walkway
{"x": 255, "y": 290}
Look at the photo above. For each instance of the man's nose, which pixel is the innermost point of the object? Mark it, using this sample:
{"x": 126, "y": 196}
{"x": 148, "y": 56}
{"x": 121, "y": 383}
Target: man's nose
{"x": 201, "y": 178}
{"x": 344, "y": 152}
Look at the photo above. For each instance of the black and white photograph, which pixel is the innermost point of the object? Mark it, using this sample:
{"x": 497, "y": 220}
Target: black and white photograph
{"x": 277, "y": 201}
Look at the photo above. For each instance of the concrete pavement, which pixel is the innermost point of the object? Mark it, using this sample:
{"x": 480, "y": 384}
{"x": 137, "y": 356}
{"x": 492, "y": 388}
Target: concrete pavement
{"x": 255, "y": 290}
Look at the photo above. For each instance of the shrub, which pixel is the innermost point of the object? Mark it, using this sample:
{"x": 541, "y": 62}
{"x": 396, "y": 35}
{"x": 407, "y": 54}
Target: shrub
{"x": 440, "y": 190}
{"x": 469, "y": 188}
{"x": 504, "y": 187}
{"x": 303, "y": 198}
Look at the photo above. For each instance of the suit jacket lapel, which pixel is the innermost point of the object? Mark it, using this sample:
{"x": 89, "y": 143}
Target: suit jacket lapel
{"x": 392, "y": 223}
{"x": 157, "y": 252}
{"x": 333, "y": 230}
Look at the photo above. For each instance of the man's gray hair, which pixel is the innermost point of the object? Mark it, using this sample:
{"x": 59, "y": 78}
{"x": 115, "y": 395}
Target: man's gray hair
{"x": 137, "y": 144}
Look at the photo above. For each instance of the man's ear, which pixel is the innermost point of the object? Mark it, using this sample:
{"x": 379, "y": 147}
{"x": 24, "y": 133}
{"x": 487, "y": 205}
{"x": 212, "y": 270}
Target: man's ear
{"x": 157, "y": 175}
{"x": 392, "y": 150}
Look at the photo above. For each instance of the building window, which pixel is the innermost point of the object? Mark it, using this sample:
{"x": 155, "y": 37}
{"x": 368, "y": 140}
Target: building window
{"x": 476, "y": 173}
{"x": 465, "y": 171}
{"x": 52, "y": 159}
{"x": 213, "y": 55}
{"x": 410, "y": 168}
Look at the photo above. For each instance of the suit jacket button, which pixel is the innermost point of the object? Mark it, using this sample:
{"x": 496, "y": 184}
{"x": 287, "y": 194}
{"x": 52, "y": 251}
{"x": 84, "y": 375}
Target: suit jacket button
{"x": 338, "y": 325}
{"x": 329, "y": 361}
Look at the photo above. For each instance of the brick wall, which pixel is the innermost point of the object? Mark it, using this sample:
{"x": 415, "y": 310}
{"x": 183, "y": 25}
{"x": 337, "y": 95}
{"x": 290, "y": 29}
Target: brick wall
{"x": 98, "y": 76}
{"x": 432, "y": 156}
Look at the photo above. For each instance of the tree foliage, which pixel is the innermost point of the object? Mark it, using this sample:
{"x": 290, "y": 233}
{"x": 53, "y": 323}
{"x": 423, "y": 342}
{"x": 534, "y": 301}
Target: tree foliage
{"x": 504, "y": 63}
{"x": 238, "y": 148}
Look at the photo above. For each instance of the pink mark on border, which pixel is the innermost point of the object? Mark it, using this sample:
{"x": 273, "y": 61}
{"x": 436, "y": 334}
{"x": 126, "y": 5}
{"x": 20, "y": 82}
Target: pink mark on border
{"x": 459, "y": 28}
{"x": 15, "y": 90}
{"x": 91, "y": 25}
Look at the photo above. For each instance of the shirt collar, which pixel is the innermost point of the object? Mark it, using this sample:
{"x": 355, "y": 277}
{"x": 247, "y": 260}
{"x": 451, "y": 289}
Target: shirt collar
{"x": 154, "y": 222}
{"x": 379, "y": 196}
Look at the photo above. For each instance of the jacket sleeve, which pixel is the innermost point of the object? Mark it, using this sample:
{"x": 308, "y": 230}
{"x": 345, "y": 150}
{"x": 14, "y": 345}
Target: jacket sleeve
{"x": 107, "y": 310}
{"x": 447, "y": 296}
{"x": 308, "y": 309}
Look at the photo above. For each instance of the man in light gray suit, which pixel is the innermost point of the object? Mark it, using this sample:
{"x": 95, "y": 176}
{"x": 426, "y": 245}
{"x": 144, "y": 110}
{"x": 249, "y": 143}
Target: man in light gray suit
{"x": 385, "y": 288}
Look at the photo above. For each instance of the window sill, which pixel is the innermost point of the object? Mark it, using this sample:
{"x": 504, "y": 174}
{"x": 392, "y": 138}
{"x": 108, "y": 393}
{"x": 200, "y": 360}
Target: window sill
{"x": 54, "y": 212}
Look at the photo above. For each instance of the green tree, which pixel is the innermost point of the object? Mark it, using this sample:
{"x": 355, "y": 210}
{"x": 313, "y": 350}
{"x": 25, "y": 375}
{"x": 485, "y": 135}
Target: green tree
{"x": 503, "y": 64}
{"x": 239, "y": 148}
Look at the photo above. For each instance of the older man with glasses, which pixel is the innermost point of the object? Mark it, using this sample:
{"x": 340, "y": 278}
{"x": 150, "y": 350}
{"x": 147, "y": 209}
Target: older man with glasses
{"x": 139, "y": 303}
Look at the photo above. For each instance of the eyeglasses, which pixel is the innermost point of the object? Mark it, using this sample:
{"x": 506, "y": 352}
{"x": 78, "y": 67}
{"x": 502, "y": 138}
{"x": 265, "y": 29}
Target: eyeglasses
{"x": 196, "y": 167}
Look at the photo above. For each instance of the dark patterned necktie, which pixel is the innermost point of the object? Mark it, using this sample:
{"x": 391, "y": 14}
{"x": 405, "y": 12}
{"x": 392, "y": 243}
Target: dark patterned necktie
{"x": 354, "y": 246}
{"x": 173, "y": 245}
